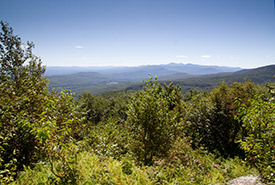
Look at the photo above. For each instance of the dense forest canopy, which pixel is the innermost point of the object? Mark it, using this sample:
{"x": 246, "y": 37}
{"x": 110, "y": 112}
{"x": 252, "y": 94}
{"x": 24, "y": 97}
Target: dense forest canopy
{"x": 153, "y": 136}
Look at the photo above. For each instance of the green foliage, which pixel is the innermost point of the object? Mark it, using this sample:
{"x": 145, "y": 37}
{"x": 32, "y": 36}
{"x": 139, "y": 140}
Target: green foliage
{"x": 59, "y": 143}
{"x": 259, "y": 122}
{"x": 184, "y": 165}
{"x": 211, "y": 119}
{"x": 45, "y": 138}
{"x": 23, "y": 93}
{"x": 92, "y": 169}
{"x": 154, "y": 116}
{"x": 98, "y": 108}
{"x": 63, "y": 162}
{"x": 118, "y": 104}
{"x": 109, "y": 138}
{"x": 33, "y": 123}
{"x": 197, "y": 168}
{"x": 95, "y": 108}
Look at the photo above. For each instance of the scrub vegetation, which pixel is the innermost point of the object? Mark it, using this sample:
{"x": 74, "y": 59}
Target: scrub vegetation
{"x": 152, "y": 136}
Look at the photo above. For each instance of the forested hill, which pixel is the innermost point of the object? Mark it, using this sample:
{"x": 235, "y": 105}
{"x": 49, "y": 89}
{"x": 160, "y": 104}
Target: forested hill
{"x": 76, "y": 78}
{"x": 110, "y": 79}
{"x": 259, "y": 75}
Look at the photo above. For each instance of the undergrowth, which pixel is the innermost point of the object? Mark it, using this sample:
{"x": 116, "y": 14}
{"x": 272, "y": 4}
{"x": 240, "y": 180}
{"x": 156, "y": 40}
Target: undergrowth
{"x": 95, "y": 169}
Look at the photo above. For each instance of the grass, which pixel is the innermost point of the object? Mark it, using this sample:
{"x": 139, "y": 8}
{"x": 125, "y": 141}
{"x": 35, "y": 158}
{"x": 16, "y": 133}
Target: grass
{"x": 93, "y": 169}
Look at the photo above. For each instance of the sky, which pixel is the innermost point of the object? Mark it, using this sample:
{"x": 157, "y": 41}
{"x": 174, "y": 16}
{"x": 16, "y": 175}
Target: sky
{"x": 236, "y": 33}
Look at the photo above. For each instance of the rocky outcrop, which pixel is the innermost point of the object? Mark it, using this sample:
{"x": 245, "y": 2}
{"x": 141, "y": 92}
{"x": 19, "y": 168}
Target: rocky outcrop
{"x": 247, "y": 180}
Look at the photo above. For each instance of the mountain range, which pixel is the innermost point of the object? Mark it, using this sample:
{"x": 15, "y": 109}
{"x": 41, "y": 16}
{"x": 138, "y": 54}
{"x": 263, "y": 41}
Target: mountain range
{"x": 164, "y": 69}
{"x": 102, "y": 79}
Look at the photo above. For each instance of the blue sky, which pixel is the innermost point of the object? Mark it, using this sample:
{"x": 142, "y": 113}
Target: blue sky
{"x": 140, "y": 32}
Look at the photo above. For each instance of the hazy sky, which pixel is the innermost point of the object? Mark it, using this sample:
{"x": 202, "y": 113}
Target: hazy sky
{"x": 140, "y": 32}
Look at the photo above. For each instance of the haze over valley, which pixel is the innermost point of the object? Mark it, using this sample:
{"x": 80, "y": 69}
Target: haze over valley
{"x": 104, "y": 79}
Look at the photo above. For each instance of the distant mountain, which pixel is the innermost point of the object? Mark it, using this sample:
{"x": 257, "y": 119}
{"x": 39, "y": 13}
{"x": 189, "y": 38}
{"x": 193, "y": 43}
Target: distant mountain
{"x": 143, "y": 71}
{"x": 139, "y": 73}
{"x": 194, "y": 69}
{"x": 106, "y": 77}
{"x": 115, "y": 78}
{"x": 259, "y": 75}
{"x": 76, "y": 77}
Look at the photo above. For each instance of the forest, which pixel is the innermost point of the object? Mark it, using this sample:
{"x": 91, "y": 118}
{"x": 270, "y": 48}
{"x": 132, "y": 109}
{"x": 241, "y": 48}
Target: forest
{"x": 187, "y": 76}
{"x": 155, "y": 135}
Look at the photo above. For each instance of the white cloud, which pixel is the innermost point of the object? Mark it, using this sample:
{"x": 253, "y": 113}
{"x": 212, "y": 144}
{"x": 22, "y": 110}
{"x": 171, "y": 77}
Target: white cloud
{"x": 182, "y": 56}
{"x": 205, "y": 56}
{"x": 79, "y": 47}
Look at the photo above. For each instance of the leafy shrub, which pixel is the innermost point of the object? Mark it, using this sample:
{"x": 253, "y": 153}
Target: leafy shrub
{"x": 100, "y": 108}
{"x": 154, "y": 118}
{"x": 210, "y": 117}
{"x": 63, "y": 162}
{"x": 92, "y": 169}
{"x": 23, "y": 92}
{"x": 109, "y": 138}
{"x": 198, "y": 168}
{"x": 94, "y": 108}
{"x": 184, "y": 165}
{"x": 259, "y": 122}
{"x": 33, "y": 122}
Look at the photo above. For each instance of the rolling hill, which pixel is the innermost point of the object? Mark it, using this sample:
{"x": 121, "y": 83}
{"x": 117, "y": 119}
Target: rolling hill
{"x": 160, "y": 70}
{"x": 261, "y": 75}
{"x": 74, "y": 77}
{"x": 106, "y": 79}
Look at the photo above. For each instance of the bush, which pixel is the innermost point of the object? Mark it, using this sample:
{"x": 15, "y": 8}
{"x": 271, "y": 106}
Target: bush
{"x": 259, "y": 145}
{"x": 154, "y": 119}
{"x": 184, "y": 165}
{"x": 95, "y": 108}
{"x": 92, "y": 169}
{"x": 197, "y": 168}
{"x": 23, "y": 92}
{"x": 210, "y": 117}
{"x": 109, "y": 138}
{"x": 33, "y": 122}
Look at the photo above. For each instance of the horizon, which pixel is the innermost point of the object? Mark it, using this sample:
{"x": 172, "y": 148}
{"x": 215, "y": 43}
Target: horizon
{"x": 146, "y": 32}
{"x": 110, "y": 66}
{"x": 145, "y": 65}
